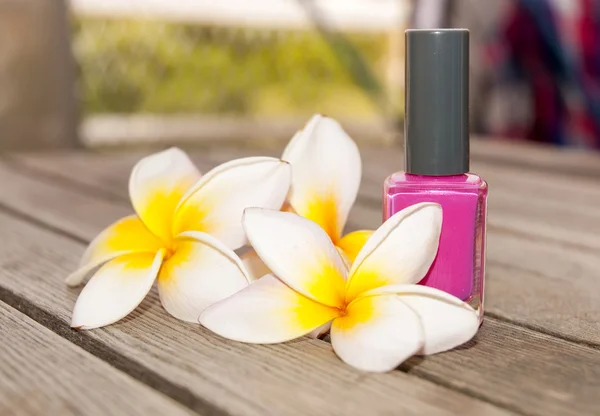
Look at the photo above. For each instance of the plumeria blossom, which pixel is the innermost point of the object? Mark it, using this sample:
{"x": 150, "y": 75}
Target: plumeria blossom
{"x": 326, "y": 173}
{"x": 183, "y": 235}
{"x": 325, "y": 179}
{"x": 379, "y": 316}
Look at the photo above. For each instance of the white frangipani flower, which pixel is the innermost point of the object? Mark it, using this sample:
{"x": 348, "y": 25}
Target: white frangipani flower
{"x": 183, "y": 235}
{"x": 379, "y": 317}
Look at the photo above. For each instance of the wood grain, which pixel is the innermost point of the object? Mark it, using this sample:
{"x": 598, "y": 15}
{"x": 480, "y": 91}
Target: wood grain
{"x": 554, "y": 377}
{"x": 56, "y": 206}
{"x": 520, "y": 264}
{"x": 44, "y": 374}
{"x": 111, "y": 170}
{"x": 550, "y": 205}
{"x": 202, "y": 371}
{"x": 542, "y": 158}
{"x": 488, "y": 391}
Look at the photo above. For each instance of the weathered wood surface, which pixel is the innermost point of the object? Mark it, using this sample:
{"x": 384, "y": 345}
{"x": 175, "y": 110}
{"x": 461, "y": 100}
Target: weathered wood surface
{"x": 44, "y": 374}
{"x": 537, "y": 354}
{"x": 185, "y": 361}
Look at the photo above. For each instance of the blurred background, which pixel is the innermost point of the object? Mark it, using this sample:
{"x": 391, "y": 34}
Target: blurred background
{"x": 100, "y": 73}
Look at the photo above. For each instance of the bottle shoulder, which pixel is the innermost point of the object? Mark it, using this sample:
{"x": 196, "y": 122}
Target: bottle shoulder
{"x": 405, "y": 180}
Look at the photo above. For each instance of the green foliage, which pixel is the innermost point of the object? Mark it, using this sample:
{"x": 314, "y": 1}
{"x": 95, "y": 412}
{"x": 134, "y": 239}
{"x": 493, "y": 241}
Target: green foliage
{"x": 147, "y": 66}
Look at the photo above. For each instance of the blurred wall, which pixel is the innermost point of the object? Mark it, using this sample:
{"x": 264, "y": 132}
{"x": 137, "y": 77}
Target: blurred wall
{"x": 37, "y": 91}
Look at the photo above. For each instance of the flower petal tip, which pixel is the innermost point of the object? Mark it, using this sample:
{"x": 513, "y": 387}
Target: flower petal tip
{"x": 73, "y": 280}
{"x": 77, "y": 324}
{"x": 253, "y": 210}
{"x": 253, "y": 213}
{"x": 315, "y": 117}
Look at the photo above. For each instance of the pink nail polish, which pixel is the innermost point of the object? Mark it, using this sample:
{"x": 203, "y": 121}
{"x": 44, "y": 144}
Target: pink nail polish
{"x": 437, "y": 160}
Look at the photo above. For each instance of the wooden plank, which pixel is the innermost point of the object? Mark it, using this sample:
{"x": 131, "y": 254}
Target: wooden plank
{"x": 207, "y": 373}
{"x": 47, "y": 204}
{"x": 379, "y": 162}
{"x": 488, "y": 391}
{"x": 579, "y": 196}
{"x": 519, "y": 263}
{"x": 103, "y": 170}
{"x": 516, "y": 180}
{"x": 544, "y": 286}
{"x": 523, "y": 366}
{"x": 543, "y": 158}
{"x": 44, "y": 374}
{"x": 106, "y": 173}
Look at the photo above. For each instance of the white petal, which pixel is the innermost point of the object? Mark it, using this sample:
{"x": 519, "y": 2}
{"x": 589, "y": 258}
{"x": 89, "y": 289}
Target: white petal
{"x": 377, "y": 334}
{"x": 266, "y": 312}
{"x": 216, "y": 204}
{"x": 400, "y": 251}
{"x": 326, "y": 174}
{"x": 295, "y": 147}
{"x": 447, "y": 321}
{"x": 298, "y": 252}
{"x": 202, "y": 271}
{"x": 127, "y": 235}
{"x": 156, "y": 186}
{"x": 254, "y": 265}
{"x": 116, "y": 290}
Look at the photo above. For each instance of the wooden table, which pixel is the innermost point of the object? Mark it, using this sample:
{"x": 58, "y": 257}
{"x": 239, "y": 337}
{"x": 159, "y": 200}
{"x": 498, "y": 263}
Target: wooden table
{"x": 538, "y": 352}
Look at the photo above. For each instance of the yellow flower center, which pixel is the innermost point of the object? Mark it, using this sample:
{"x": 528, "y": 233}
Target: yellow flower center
{"x": 343, "y": 310}
{"x": 168, "y": 253}
{"x": 323, "y": 210}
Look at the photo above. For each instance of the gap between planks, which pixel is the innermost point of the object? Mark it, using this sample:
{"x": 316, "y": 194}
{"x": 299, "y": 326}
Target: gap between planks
{"x": 112, "y": 357}
{"x": 42, "y": 373}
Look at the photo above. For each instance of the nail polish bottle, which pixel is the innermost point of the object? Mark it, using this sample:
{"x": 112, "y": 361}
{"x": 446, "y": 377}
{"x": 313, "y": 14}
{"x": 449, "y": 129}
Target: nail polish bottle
{"x": 437, "y": 160}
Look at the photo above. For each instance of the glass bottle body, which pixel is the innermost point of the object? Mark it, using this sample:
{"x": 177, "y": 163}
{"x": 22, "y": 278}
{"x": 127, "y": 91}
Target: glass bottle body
{"x": 459, "y": 266}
